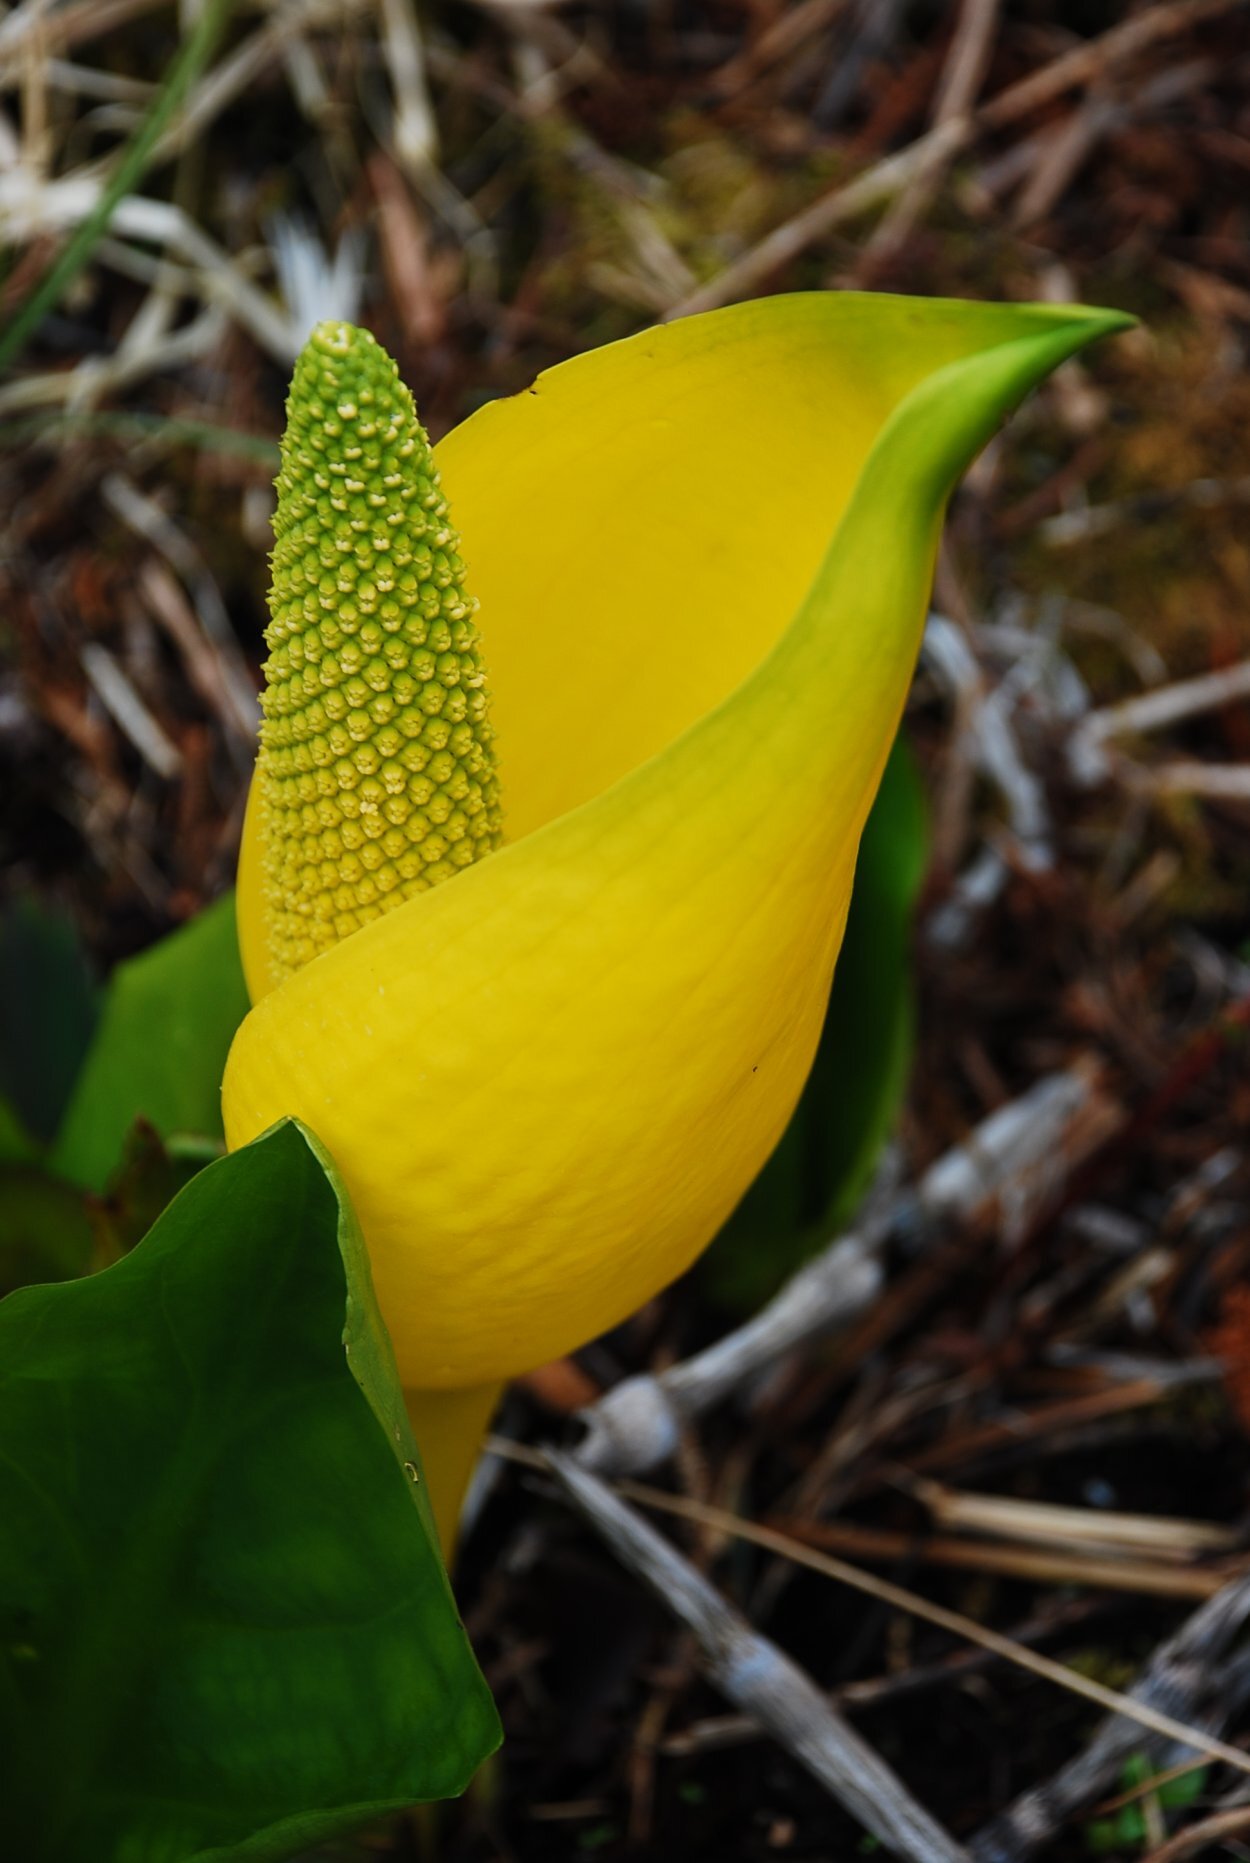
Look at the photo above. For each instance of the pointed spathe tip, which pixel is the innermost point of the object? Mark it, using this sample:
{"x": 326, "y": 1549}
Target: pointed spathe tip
{"x": 1096, "y": 320}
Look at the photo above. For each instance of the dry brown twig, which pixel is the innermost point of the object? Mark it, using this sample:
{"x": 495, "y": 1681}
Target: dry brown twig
{"x": 790, "y": 28}
{"x": 1091, "y": 761}
{"x": 211, "y": 649}
{"x": 930, "y": 153}
{"x": 967, "y": 62}
{"x": 128, "y": 711}
{"x": 1085, "y": 522}
{"x": 231, "y": 77}
{"x": 759, "y": 1678}
{"x": 1143, "y": 1712}
{"x": 1182, "y": 1674}
{"x": 1170, "y": 704}
{"x": 30, "y": 208}
{"x": 718, "y": 1731}
{"x": 1044, "y": 1523}
{"x": 67, "y": 26}
{"x": 1218, "y": 782}
{"x": 773, "y": 1691}
{"x": 1147, "y": 1578}
{"x": 414, "y": 131}
{"x": 1199, "y": 1837}
{"x": 989, "y": 739}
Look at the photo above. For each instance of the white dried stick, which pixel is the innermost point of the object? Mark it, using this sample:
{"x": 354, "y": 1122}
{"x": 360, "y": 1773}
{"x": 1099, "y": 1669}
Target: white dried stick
{"x": 759, "y": 1679}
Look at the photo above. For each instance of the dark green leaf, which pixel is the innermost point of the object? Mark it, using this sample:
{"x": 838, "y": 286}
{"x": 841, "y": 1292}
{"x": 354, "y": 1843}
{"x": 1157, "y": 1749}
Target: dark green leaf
{"x": 16, "y": 1144}
{"x": 149, "y": 1176}
{"x": 823, "y": 1165}
{"x": 48, "y": 1009}
{"x": 225, "y": 1630}
{"x": 45, "y": 1232}
{"x": 861, "y": 1069}
{"x": 1177, "y": 1794}
{"x": 169, "y": 1018}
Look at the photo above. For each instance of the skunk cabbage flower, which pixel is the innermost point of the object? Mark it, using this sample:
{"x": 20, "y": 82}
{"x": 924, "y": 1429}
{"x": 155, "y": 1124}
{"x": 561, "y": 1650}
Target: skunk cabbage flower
{"x": 702, "y": 558}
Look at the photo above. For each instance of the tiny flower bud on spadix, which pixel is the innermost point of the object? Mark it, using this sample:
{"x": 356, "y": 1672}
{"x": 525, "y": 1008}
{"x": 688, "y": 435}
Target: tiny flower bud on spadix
{"x": 376, "y": 761}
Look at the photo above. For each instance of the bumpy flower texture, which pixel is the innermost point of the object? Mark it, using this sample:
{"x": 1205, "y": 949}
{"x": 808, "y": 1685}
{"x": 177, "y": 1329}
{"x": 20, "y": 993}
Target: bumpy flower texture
{"x": 376, "y": 754}
{"x": 702, "y": 558}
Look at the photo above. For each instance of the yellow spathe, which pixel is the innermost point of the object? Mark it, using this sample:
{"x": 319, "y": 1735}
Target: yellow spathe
{"x": 702, "y": 558}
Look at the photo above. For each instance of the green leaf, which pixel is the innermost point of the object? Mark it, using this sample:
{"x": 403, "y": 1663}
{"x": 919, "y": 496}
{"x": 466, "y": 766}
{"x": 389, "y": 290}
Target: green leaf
{"x": 1128, "y": 1829}
{"x": 824, "y": 1162}
{"x": 225, "y": 1630}
{"x": 148, "y": 1177}
{"x": 16, "y": 1144}
{"x": 169, "y": 1018}
{"x": 45, "y": 1231}
{"x": 48, "y": 1007}
{"x": 1177, "y": 1794}
{"x": 860, "y": 1075}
